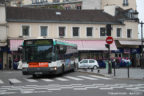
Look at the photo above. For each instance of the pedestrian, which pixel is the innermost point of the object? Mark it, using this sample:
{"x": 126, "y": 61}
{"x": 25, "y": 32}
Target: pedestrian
{"x": 10, "y": 62}
{"x": 19, "y": 64}
{"x": 117, "y": 62}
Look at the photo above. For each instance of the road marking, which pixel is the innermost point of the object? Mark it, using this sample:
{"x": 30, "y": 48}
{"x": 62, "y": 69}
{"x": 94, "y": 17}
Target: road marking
{"x": 106, "y": 88}
{"x": 89, "y": 78}
{"x": 100, "y": 77}
{"x": 79, "y": 88}
{"x": 31, "y": 80}
{"x": 14, "y": 80}
{"x": 47, "y": 80}
{"x": 73, "y": 78}
{"x": 27, "y": 89}
{"x": 1, "y": 82}
{"x": 62, "y": 79}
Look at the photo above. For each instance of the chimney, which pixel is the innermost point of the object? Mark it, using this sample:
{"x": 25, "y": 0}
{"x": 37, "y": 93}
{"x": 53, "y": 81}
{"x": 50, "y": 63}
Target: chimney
{"x": 110, "y": 9}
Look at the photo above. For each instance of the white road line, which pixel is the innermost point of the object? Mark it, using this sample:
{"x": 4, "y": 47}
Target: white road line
{"x": 79, "y": 88}
{"x": 14, "y": 80}
{"x": 100, "y": 77}
{"x": 31, "y": 80}
{"x": 47, "y": 80}
{"x": 62, "y": 79}
{"x": 106, "y": 88}
{"x": 1, "y": 82}
{"x": 132, "y": 88}
{"x": 54, "y": 89}
{"x": 89, "y": 78}
{"x": 73, "y": 78}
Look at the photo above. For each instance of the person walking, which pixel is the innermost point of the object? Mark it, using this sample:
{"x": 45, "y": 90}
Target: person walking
{"x": 10, "y": 63}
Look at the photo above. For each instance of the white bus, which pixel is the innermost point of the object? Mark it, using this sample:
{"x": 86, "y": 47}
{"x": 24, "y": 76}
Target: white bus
{"x": 48, "y": 56}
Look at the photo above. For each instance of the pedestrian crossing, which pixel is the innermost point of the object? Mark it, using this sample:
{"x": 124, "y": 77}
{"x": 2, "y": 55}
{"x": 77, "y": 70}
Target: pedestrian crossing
{"x": 1, "y": 82}
{"x": 14, "y": 80}
{"x": 36, "y": 88}
{"x": 63, "y": 79}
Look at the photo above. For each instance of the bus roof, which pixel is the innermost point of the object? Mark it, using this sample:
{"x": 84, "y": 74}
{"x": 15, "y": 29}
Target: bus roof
{"x": 56, "y": 42}
{"x": 61, "y": 42}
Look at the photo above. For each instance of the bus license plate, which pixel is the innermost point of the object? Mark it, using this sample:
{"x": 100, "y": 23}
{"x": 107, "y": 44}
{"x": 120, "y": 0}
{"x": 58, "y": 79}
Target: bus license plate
{"x": 38, "y": 72}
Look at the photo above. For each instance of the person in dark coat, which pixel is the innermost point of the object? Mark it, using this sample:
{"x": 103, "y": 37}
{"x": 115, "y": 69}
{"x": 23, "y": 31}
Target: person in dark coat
{"x": 10, "y": 63}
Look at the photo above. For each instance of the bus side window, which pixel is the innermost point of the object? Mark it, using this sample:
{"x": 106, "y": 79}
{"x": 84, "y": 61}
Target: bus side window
{"x": 62, "y": 50}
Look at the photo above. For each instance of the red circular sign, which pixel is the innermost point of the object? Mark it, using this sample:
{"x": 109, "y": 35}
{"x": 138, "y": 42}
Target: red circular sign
{"x": 109, "y": 40}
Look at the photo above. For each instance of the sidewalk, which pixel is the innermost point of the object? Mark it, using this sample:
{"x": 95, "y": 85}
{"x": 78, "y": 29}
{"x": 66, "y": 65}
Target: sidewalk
{"x": 134, "y": 73}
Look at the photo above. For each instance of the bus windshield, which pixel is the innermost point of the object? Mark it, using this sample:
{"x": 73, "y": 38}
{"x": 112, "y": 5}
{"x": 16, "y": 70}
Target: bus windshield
{"x": 38, "y": 53}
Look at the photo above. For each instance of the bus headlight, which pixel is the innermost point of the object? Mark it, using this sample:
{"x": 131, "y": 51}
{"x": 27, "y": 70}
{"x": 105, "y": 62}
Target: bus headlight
{"x": 55, "y": 68}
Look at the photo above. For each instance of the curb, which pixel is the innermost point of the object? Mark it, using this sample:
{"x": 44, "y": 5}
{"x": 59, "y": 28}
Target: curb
{"x": 108, "y": 76}
{"x": 92, "y": 73}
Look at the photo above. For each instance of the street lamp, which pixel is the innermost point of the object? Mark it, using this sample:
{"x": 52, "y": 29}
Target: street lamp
{"x": 141, "y": 59}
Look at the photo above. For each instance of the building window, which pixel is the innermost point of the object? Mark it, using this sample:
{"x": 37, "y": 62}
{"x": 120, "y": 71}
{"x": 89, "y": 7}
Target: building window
{"x": 125, "y": 2}
{"x": 56, "y": 1}
{"x": 33, "y": 1}
{"x": 25, "y": 30}
{"x": 129, "y": 33}
{"x": 102, "y": 31}
{"x": 65, "y": 0}
{"x": 43, "y": 31}
{"x": 75, "y": 31}
{"x": 61, "y": 31}
{"x": 89, "y": 31}
{"x": 119, "y": 32}
{"x": 36, "y": 1}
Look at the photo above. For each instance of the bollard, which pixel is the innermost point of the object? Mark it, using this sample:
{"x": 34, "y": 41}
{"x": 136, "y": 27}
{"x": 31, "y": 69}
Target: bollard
{"x": 98, "y": 71}
{"x": 91, "y": 69}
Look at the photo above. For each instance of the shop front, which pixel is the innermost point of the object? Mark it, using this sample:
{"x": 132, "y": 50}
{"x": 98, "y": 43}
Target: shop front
{"x": 129, "y": 49}
{"x": 93, "y": 49}
{"x": 14, "y": 56}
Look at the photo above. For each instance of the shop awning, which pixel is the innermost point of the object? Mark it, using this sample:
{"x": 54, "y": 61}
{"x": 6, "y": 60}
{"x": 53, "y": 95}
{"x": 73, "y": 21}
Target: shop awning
{"x": 92, "y": 45}
{"x": 130, "y": 43}
{"x": 15, "y": 44}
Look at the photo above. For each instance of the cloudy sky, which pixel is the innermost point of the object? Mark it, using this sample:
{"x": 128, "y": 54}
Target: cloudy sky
{"x": 140, "y": 9}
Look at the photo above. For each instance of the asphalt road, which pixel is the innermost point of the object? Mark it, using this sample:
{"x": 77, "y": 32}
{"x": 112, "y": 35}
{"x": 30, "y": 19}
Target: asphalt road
{"x": 13, "y": 83}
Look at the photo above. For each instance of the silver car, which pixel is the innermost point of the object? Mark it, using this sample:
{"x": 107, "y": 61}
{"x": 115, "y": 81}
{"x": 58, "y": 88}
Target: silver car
{"x": 88, "y": 63}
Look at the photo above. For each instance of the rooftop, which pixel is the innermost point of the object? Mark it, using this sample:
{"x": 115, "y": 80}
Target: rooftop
{"x": 22, "y": 14}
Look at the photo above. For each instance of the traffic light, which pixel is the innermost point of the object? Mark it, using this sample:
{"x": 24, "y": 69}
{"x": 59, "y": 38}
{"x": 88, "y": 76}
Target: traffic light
{"x": 108, "y": 29}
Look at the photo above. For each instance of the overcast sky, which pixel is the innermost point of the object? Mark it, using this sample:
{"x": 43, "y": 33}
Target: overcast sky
{"x": 140, "y": 9}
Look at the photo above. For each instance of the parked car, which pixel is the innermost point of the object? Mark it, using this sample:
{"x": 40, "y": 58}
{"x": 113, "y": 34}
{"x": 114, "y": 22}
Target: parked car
{"x": 88, "y": 63}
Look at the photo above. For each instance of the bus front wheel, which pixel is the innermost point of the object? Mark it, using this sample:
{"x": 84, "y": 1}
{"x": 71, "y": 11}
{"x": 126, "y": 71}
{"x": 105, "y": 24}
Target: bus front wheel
{"x": 35, "y": 76}
{"x": 62, "y": 69}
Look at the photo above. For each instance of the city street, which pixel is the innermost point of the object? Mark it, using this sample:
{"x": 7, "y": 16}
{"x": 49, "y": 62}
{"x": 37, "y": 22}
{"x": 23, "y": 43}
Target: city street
{"x": 13, "y": 83}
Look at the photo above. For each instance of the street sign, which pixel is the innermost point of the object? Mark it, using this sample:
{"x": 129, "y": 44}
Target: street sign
{"x": 109, "y": 40}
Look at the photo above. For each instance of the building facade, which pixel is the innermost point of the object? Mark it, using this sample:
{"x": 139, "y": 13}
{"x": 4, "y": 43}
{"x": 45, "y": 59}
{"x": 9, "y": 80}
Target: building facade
{"x": 74, "y": 4}
{"x": 3, "y": 36}
{"x": 86, "y": 28}
{"x": 125, "y": 4}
